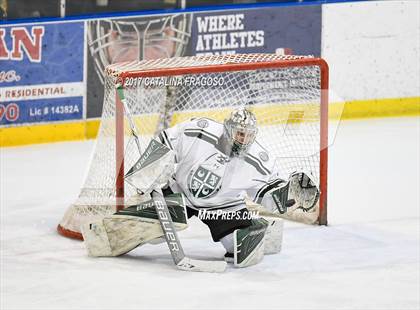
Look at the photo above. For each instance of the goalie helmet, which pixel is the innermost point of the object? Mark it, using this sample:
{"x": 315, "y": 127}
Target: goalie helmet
{"x": 240, "y": 130}
{"x": 134, "y": 39}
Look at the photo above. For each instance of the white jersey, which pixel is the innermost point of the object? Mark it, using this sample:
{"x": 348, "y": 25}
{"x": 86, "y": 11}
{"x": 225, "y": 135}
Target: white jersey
{"x": 208, "y": 177}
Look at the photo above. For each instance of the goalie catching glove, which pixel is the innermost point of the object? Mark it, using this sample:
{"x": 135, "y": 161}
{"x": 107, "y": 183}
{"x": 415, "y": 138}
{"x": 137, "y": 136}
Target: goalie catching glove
{"x": 299, "y": 193}
{"x": 303, "y": 191}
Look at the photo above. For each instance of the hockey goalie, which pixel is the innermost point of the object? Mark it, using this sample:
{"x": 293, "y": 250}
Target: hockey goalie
{"x": 219, "y": 173}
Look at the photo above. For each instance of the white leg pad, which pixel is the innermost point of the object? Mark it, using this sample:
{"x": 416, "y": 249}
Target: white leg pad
{"x": 273, "y": 238}
{"x": 118, "y": 234}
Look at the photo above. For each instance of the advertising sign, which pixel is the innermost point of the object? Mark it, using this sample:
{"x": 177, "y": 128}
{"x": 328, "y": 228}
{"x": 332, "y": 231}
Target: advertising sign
{"x": 282, "y": 30}
{"x": 41, "y": 73}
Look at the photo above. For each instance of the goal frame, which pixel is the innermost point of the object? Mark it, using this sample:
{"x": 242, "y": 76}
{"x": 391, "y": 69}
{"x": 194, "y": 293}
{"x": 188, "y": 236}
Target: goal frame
{"x": 272, "y": 64}
{"x": 122, "y": 71}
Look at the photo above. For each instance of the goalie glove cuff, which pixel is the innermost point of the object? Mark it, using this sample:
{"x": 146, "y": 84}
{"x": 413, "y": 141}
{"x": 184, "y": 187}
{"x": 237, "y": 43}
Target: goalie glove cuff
{"x": 281, "y": 197}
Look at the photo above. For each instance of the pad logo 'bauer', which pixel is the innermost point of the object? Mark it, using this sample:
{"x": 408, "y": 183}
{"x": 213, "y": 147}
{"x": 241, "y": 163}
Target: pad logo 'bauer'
{"x": 203, "y": 123}
{"x": 263, "y": 156}
{"x": 203, "y": 183}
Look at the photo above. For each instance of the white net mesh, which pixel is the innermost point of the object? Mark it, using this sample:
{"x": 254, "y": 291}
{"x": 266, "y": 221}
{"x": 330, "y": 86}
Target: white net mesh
{"x": 286, "y": 101}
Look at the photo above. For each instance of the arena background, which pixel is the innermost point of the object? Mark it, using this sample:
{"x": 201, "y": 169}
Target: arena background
{"x": 50, "y": 90}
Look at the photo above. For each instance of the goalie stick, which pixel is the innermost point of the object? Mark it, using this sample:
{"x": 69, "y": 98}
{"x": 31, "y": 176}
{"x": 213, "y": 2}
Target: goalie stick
{"x": 181, "y": 261}
{"x": 171, "y": 236}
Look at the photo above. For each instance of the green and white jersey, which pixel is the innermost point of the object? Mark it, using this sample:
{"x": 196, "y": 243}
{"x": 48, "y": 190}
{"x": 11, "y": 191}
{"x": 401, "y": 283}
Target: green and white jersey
{"x": 209, "y": 177}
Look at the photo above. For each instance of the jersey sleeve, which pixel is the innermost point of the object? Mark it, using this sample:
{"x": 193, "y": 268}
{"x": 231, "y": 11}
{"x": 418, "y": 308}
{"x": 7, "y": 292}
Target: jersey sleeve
{"x": 171, "y": 137}
{"x": 259, "y": 192}
{"x": 263, "y": 193}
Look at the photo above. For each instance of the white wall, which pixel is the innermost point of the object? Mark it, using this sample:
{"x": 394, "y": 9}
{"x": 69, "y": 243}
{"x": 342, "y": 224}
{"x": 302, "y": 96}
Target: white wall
{"x": 373, "y": 49}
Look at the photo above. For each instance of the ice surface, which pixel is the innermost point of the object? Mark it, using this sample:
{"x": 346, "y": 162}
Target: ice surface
{"x": 368, "y": 257}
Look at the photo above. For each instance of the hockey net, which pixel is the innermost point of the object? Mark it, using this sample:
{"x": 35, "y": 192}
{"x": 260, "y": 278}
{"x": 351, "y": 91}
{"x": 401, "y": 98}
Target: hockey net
{"x": 288, "y": 94}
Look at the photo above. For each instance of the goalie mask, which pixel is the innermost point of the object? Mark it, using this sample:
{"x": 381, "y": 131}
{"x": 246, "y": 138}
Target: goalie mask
{"x": 240, "y": 130}
{"x": 134, "y": 39}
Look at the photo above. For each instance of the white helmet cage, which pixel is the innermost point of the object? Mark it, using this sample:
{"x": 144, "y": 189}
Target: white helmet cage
{"x": 240, "y": 130}
{"x": 137, "y": 33}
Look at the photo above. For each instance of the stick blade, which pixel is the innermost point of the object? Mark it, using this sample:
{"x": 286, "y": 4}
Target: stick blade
{"x": 189, "y": 264}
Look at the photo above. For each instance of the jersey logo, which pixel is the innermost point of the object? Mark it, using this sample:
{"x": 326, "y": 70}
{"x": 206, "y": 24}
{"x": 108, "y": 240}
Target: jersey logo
{"x": 263, "y": 156}
{"x": 203, "y": 183}
{"x": 203, "y": 123}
